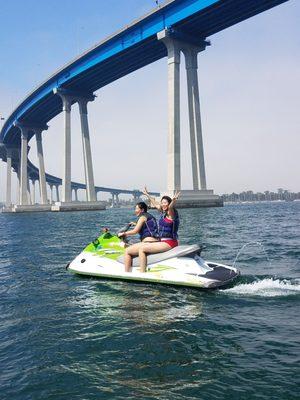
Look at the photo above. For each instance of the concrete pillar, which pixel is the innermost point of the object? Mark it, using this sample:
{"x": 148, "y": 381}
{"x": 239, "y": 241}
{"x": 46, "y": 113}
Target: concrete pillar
{"x": 117, "y": 200}
{"x": 51, "y": 194}
{"x": 29, "y": 191}
{"x": 23, "y": 169}
{"x": 18, "y": 185}
{"x": 76, "y": 194}
{"x": 57, "y": 192}
{"x": 87, "y": 154}
{"x": 112, "y": 200}
{"x": 33, "y": 192}
{"x": 197, "y": 152}
{"x": 66, "y": 179}
{"x": 8, "y": 177}
{"x": 42, "y": 175}
{"x": 173, "y": 48}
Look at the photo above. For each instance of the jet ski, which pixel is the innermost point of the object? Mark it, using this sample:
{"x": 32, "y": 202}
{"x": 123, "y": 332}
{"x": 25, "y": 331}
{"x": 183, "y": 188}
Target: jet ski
{"x": 181, "y": 265}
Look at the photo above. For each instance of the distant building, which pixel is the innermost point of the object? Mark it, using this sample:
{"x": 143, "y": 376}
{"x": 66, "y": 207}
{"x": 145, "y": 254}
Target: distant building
{"x": 250, "y": 196}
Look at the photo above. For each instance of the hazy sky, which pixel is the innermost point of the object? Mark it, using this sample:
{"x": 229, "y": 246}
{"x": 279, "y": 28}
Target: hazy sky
{"x": 249, "y": 86}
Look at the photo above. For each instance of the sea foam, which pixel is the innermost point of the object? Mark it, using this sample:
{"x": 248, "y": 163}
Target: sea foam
{"x": 268, "y": 287}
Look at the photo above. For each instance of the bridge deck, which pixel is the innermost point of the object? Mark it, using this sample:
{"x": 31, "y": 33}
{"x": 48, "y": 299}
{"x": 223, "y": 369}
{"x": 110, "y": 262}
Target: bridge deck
{"x": 128, "y": 50}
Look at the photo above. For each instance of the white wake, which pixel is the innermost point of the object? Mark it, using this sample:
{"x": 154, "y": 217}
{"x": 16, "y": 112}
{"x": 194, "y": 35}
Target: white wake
{"x": 268, "y": 287}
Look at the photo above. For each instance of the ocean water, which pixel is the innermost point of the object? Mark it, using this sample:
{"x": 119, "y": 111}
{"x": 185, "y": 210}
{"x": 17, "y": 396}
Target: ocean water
{"x": 68, "y": 337}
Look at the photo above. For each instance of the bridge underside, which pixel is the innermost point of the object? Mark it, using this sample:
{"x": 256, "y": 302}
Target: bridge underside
{"x": 180, "y": 26}
{"x": 88, "y": 76}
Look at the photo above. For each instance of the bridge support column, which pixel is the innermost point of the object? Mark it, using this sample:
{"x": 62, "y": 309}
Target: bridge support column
{"x": 33, "y": 192}
{"x": 42, "y": 175}
{"x": 87, "y": 154}
{"x": 117, "y": 200}
{"x": 28, "y": 191}
{"x": 68, "y": 97}
{"x": 66, "y": 184}
{"x": 112, "y": 200}
{"x": 197, "y": 152}
{"x": 18, "y": 185}
{"x": 8, "y": 177}
{"x": 173, "y": 175}
{"x": 175, "y": 42}
{"x": 23, "y": 169}
{"x": 51, "y": 193}
{"x": 66, "y": 179}
{"x": 76, "y": 194}
{"x": 57, "y": 192}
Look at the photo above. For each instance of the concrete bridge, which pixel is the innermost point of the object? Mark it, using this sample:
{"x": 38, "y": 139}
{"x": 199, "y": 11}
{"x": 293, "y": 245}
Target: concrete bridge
{"x": 11, "y": 156}
{"x": 178, "y": 27}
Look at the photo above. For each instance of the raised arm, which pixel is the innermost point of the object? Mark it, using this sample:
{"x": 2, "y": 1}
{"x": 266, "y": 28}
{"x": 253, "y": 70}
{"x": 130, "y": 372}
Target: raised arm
{"x": 172, "y": 204}
{"x": 152, "y": 200}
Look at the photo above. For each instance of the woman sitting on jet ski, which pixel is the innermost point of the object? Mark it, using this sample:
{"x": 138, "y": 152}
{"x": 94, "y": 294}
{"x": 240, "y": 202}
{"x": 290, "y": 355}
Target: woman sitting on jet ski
{"x": 146, "y": 227}
{"x": 168, "y": 228}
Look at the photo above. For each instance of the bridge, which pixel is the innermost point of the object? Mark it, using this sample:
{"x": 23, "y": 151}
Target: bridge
{"x": 178, "y": 27}
{"x": 54, "y": 183}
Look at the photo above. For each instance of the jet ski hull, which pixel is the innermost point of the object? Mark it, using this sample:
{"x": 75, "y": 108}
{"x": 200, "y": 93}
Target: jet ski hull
{"x": 180, "y": 271}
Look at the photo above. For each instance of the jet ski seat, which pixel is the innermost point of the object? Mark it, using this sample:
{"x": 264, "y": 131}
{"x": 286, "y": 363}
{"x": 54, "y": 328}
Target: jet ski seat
{"x": 178, "y": 251}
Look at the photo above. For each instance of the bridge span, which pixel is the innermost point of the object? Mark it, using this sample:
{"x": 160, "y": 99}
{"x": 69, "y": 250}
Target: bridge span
{"x": 175, "y": 28}
{"x": 54, "y": 183}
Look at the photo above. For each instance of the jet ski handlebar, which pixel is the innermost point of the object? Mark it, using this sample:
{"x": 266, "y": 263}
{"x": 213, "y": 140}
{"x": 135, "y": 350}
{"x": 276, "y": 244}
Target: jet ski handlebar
{"x": 125, "y": 228}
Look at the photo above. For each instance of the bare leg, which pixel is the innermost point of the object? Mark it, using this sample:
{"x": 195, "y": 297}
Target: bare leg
{"x": 127, "y": 262}
{"x": 131, "y": 251}
{"x": 151, "y": 248}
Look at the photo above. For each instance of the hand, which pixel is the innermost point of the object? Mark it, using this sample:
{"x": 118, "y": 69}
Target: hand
{"x": 145, "y": 191}
{"x": 176, "y": 195}
{"x": 132, "y": 223}
{"x": 121, "y": 234}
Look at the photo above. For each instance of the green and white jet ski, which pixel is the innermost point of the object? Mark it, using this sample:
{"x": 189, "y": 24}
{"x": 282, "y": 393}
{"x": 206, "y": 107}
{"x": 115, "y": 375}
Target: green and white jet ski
{"x": 182, "y": 265}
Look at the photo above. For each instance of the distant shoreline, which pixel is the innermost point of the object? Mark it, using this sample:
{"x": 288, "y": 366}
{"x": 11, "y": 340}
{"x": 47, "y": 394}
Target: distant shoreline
{"x": 260, "y": 201}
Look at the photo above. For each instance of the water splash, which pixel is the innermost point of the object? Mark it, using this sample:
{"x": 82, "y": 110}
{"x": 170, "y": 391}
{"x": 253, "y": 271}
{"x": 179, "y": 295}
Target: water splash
{"x": 268, "y": 287}
{"x": 251, "y": 244}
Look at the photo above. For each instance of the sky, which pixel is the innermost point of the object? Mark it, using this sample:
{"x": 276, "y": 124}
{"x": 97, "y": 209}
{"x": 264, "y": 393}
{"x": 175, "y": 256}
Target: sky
{"x": 249, "y": 80}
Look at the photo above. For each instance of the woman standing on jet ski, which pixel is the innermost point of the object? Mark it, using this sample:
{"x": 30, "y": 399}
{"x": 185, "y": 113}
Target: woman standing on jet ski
{"x": 168, "y": 228}
{"x": 147, "y": 229}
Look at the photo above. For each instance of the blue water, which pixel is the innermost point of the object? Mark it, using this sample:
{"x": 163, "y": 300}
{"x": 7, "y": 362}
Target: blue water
{"x": 67, "y": 337}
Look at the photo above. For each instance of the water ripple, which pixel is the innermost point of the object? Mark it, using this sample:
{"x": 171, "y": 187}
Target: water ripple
{"x": 68, "y": 337}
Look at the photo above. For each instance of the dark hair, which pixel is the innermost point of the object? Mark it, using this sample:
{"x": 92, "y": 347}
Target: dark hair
{"x": 169, "y": 200}
{"x": 143, "y": 206}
